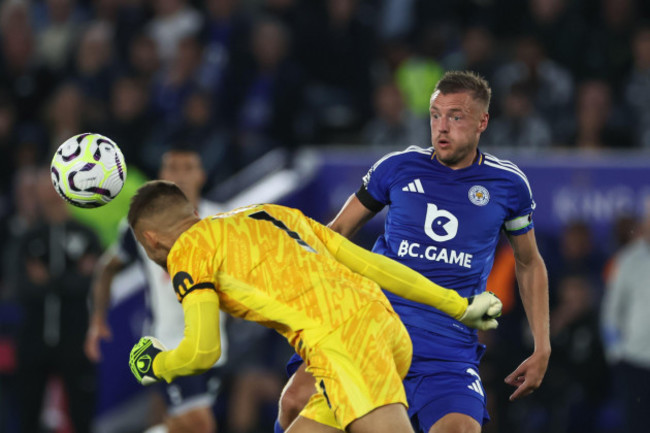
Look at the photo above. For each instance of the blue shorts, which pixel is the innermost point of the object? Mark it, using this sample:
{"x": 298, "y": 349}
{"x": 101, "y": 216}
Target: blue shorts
{"x": 187, "y": 393}
{"x": 293, "y": 364}
{"x": 447, "y": 387}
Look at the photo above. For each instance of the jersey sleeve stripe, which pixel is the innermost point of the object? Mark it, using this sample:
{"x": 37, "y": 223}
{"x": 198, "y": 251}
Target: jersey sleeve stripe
{"x": 505, "y": 163}
{"x": 518, "y": 173}
{"x": 400, "y": 152}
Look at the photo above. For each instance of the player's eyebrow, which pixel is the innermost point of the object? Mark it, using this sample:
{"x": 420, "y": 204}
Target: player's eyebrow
{"x": 451, "y": 110}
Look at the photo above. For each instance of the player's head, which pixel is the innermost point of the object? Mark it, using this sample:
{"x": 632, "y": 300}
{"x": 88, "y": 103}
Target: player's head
{"x": 459, "y": 114}
{"x": 184, "y": 167}
{"x": 159, "y": 214}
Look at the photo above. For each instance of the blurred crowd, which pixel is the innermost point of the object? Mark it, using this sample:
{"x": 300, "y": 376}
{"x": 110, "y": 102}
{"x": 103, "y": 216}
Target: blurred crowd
{"x": 234, "y": 79}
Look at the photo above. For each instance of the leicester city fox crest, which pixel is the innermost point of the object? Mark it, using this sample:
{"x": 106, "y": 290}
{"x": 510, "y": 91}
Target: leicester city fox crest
{"x": 479, "y": 195}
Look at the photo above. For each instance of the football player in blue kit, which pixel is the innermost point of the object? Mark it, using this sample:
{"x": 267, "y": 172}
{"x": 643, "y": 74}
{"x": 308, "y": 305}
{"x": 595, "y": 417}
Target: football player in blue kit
{"x": 447, "y": 207}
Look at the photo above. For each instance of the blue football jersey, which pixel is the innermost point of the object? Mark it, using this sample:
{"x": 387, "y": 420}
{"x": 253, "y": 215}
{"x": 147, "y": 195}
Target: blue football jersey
{"x": 445, "y": 224}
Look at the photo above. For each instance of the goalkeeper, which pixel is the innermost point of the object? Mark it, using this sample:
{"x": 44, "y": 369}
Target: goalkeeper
{"x": 272, "y": 265}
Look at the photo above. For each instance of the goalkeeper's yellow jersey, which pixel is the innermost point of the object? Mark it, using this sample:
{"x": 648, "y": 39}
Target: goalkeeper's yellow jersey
{"x": 271, "y": 264}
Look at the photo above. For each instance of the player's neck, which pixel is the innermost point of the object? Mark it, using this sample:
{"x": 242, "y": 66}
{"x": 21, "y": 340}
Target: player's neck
{"x": 463, "y": 163}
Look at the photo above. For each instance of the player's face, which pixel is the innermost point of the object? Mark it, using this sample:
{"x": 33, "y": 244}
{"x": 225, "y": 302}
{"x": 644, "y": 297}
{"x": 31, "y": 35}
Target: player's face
{"x": 185, "y": 170}
{"x": 457, "y": 121}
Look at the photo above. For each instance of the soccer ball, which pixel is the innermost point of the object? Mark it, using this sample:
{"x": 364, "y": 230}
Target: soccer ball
{"x": 88, "y": 170}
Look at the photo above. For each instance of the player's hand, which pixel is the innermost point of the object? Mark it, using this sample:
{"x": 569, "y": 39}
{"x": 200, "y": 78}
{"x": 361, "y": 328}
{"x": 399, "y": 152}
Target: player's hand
{"x": 528, "y": 376}
{"x": 482, "y": 311}
{"x": 141, "y": 359}
{"x": 97, "y": 331}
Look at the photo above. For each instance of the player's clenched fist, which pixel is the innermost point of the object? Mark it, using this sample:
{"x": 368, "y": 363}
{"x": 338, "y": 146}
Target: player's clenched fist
{"x": 482, "y": 311}
{"x": 141, "y": 359}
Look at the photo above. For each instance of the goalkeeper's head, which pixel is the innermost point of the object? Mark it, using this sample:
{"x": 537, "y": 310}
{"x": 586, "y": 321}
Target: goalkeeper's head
{"x": 158, "y": 215}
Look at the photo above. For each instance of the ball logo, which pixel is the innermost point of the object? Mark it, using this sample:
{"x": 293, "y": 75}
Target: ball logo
{"x": 440, "y": 225}
{"x": 478, "y": 195}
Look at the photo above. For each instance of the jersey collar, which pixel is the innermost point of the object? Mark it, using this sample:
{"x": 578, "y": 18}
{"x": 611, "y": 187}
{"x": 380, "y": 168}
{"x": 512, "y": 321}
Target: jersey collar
{"x": 478, "y": 160}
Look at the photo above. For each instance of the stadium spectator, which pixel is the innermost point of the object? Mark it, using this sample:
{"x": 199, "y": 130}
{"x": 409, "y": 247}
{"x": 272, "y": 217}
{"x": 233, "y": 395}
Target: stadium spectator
{"x": 66, "y": 114}
{"x": 608, "y": 53}
{"x": 551, "y": 84}
{"x": 559, "y": 25}
{"x": 418, "y": 74}
{"x": 130, "y": 123}
{"x": 225, "y": 36}
{"x": 579, "y": 380}
{"x": 143, "y": 60}
{"x": 625, "y": 323}
{"x": 477, "y": 53}
{"x": 600, "y": 123}
{"x": 518, "y": 126}
{"x": 576, "y": 254}
{"x": 94, "y": 69}
{"x": 393, "y": 125}
{"x": 55, "y": 263}
{"x": 57, "y": 35}
{"x": 637, "y": 86}
{"x": 334, "y": 45}
{"x": 263, "y": 97}
{"x": 173, "y": 21}
{"x": 172, "y": 88}
{"x": 27, "y": 82}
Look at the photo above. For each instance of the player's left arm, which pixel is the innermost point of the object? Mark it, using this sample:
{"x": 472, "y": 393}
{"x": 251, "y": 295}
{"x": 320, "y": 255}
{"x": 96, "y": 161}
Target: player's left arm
{"x": 196, "y": 353}
{"x": 192, "y": 269}
{"x": 533, "y": 288}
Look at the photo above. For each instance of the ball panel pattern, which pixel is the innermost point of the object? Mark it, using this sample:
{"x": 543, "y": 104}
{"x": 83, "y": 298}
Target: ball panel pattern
{"x": 88, "y": 170}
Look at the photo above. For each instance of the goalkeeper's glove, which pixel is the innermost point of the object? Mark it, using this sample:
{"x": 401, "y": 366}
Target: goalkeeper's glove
{"x": 141, "y": 359}
{"x": 482, "y": 311}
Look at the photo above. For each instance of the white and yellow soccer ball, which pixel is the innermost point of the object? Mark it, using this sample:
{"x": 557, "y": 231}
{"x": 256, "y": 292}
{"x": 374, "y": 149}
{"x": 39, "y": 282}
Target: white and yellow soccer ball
{"x": 88, "y": 170}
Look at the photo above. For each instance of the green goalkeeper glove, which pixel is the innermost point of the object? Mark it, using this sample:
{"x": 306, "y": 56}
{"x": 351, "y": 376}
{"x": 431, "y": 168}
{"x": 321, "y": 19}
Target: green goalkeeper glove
{"x": 141, "y": 359}
{"x": 482, "y": 311}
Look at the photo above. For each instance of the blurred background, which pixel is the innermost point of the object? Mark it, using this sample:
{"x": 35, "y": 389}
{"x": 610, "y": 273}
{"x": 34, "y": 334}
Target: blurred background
{"x": 291, "y": 101}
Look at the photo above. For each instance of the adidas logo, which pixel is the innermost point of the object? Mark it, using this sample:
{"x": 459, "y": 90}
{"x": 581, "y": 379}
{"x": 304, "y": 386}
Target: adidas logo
{"x": 415, "y": 186}
{"x": 476, "y": 384}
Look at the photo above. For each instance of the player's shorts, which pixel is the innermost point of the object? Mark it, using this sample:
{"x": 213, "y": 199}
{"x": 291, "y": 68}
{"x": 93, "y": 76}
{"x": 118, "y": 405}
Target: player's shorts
{"x": 449, "y": 387}
{"x": 359, "y": 367}
{"x": 293, "y": 364}
{"x": 187, "y": 393}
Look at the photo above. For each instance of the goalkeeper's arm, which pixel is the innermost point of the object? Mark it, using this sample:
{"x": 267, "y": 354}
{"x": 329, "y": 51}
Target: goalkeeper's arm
{"x": 201, "y": 344}
{"x": 477, "y": 311}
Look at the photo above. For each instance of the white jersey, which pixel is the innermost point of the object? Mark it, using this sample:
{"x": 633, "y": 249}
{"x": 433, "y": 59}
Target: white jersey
{"x": 167, "y": 322}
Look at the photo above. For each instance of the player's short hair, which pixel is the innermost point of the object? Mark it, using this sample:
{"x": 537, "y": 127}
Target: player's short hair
{"x": 153, "y": 198}
{"x": 465, "y": 81}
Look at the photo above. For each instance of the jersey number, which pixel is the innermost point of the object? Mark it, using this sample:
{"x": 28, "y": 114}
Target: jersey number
{"x": 265, "y": 216}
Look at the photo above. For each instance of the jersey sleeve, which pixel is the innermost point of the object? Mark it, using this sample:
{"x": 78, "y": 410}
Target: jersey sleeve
{"x": 191, "y": 267}
{"x": 374, "y": 192}
{"x": 520, "y": 207}
{"x": 389, "y": 274}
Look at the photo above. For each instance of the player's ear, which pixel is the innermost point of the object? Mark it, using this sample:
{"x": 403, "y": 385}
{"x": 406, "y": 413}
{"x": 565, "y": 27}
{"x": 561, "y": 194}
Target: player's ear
{"x": 151, "y": 238}
{"x": 482, "y": 126}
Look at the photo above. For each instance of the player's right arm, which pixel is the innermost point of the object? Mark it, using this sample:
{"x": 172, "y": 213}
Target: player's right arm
{"x": 352, "y": 216}
{"x": 110, "y": 264}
